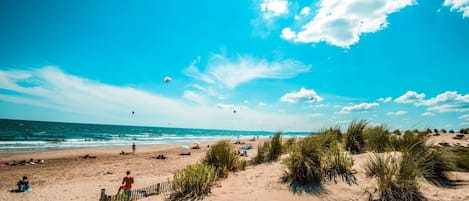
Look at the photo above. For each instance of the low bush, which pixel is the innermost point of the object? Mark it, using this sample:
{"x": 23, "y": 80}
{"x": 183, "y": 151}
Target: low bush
{"x": 192, "y": 183}
{"x": 304, "y": 164}
{"x": 377, "y": 138}
{"x": 396, "y": 178}
{"x": 336, "y": 162}
{"x": 354, "y": 139}
{"x": 223, "y": 157}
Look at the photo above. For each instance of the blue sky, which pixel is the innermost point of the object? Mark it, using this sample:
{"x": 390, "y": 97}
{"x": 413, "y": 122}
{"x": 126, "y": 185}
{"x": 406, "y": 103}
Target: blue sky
{"x": 280, "y": 64}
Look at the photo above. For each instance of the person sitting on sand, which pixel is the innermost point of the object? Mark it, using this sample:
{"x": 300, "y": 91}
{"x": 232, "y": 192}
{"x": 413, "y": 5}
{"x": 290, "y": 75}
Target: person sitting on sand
{"x": 127, "y": 184}
{"x": 23, "y": 185}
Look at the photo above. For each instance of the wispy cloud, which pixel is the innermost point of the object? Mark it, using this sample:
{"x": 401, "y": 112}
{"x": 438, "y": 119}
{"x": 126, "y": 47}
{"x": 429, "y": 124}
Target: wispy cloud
{"x": 231, "y": 73}
{"x": 410, "y": 97}
{"x": 427, "y": 114}
{"x": 398, "y": 113}
{"x": 67, "y": 94}
{"x": 308, "y": 95}
{"x": 459, "y": 6}
{"x": 341, "y": 22}
{"x": 359, "y": 107}
{"x": 385, "y": 100}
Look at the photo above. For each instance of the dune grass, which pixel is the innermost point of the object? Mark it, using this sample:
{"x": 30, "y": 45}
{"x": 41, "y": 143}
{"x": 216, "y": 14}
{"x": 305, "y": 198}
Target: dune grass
{"x": 192, "y": 183}
{"x": 378, "y": 138}
{"x": 354, "y": 139}
{"x": 459, "y": 158}
{"x": 336, "y": 162}
{"x": 224, "y": 158}
{"x": 329, "y": 136}
{"x": 270, "y": 151}
{"x": 396, "y": 178}
{"x": 304, "y": 164}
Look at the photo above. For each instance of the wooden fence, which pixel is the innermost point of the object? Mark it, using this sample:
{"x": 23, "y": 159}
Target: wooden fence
{"x": 155, "y": 189}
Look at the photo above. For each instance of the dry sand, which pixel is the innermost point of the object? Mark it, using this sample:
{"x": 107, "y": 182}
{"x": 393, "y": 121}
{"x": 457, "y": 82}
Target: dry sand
{"x": 66, "y": 176}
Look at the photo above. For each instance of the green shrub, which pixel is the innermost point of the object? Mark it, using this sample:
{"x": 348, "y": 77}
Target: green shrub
{"x": 223, "y": 158}
{"x": 275, "y": 149}
{"x": 377, "y": 138}
{"x": 193, "y": 182}
{"x": 336, "y": 162}
{"x": 304, "y": 164}
{"x": 288, "y": 145}
{"x": 260, "y": 156}
{"x": 396, "y": 178}
{"x": 328, "y": 136}
{"x": 354, "y": 140}
{"x": 459, "y": 157}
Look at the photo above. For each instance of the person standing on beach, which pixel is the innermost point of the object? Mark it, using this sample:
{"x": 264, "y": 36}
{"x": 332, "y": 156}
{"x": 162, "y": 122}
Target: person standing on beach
{"x": 133, "y": 148}
{"x": 127, "y": 184}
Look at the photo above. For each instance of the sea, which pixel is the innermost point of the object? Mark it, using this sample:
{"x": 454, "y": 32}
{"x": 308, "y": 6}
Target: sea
{"x": 19, "y": 136}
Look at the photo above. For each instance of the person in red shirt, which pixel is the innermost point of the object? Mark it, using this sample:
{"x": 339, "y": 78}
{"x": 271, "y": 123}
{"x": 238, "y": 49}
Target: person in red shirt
{"x": 127, "y": 184}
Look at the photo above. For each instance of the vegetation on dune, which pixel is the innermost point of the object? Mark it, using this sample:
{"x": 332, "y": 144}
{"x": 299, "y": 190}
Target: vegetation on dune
{"x": 288, "y": 145}
{"x": 329, "y": 136}
{"x": 192, "y": 183}
{"x": 304, "y": 164}
{"x": 396, "y": 178}
{"x": 309, "y": 163}
{"x": 459, "y": 158}
{"x": 270, "y": 151}
{"x": 223, "y": 157}
{"x": 354, "y": 139}
{"x": 378, "y": 138}
{"x": 336, "y": 162}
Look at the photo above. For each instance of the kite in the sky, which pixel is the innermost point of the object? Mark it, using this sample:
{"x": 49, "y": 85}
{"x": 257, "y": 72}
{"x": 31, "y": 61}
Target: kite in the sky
{"x": 166, "y": 79}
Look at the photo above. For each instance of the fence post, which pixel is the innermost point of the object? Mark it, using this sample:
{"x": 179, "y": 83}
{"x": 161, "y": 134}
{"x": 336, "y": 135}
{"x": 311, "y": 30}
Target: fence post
{"x": 103, "y": 195}
{"x": 158, "y": 188}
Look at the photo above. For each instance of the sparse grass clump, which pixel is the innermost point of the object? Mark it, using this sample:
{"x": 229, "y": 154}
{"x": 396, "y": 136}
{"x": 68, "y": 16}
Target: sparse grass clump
{"x": 288, "y": 145}
{"x": 459, "y": 157}
{"x": 275, "y": 147}
{"x": 354, "y": 139}
{"x": 396, "y": 178}
{"x": 336, "y": 162}
{"x": 329, "y": 136}
{"x": 193, "y": 182}
{"x": 270, "y": 151}
{"x": 377, "y": 138}
{"x": 224, "y": 159}
{"x": 304, "y": 164}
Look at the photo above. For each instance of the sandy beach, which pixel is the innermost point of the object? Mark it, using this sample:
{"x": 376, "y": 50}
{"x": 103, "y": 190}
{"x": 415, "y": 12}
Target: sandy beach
{"x": 66, "y": 176}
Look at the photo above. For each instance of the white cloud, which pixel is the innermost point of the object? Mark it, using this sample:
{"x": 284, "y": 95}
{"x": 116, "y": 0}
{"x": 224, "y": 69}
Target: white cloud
{"x": 261, "y": 104}
{"x": 231, "y": 73}
{"x": 459, "y": 6}
{"x": 68, "y": 96}
{"x": 359, "y": 108}
{"x": 398, "y": 113}
{"x": 341, "y": 22}
{"x": 305, "y": 11}
{"x": 303, "y": 94}
{"x": 464, "y": 117}
{"x": 428, "y": 114}
{"x": 385, "y": 100}
{"x": 288, "y": 34}
{"x": 274, "y": 8}
{"x": 410, "y": 97}
{"x": 449, "y": 101}
{"x": 194, "y": 97}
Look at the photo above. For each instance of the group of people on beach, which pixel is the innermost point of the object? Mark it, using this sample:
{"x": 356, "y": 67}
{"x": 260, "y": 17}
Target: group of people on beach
{"x": 25, "y": 162}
